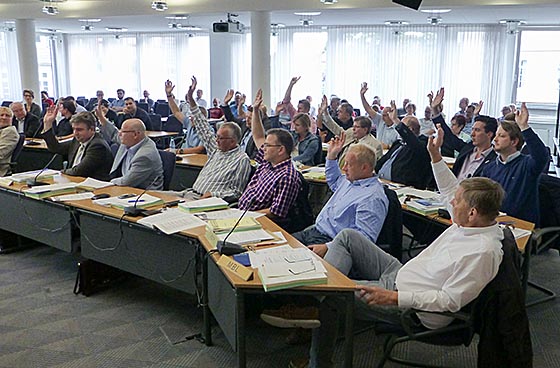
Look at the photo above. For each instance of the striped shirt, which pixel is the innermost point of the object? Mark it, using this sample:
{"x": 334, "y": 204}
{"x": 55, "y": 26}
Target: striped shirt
{"x": 225, "y": 174}
{"x": 274, "y": 187}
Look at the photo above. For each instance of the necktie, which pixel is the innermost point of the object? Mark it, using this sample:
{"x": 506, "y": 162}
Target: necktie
{"x": 79, "y": 155}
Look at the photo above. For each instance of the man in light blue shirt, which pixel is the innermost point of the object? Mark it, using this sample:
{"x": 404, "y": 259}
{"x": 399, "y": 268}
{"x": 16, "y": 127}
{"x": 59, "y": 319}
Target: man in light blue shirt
{"x": 358, "y": 201}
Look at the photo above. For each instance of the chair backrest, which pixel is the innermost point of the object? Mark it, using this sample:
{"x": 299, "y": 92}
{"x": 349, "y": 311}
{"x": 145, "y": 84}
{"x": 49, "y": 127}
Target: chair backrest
{"x": 144, "y": 106}
{"x": 155, "y": 119}
{"x": 162, "y": 109}
{"x": 173, "y": 125}
{"x": 168, "y": 161}
{"x": 6, "y": 103}
{"x": 319, "y": 158}
{"x": 17, "y": 152}
{"x": 82, "y": 101}
{"x": 391, "y": 235}
{"x": 300, "y": 214}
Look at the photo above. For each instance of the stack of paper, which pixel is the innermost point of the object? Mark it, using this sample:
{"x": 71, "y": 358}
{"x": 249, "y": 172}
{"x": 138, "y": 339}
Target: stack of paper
{"x": 425, "y": 206}
{"x": 93, "y": 184}
{"x": 172, "y": 221}
{"x": 44, "y": 191}
{"x": 206, "y": 204}
{"x": 144, "y": 201}
{"x": 247, "y": 237}
{"x": 285, "y": 267}
{"x": 225, "y": 225}
{"x": 30, "y": 175}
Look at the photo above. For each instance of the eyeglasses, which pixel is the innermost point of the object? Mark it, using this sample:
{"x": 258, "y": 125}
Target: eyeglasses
{"x": 266, "y": 145}
{"x": 218, "y": 138}
{"x": 27, "y": 96}
{"x": 128, "y": 131}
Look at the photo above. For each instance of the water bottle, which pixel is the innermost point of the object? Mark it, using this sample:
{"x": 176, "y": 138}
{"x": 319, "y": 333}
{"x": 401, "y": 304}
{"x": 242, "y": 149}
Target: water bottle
{"x": 172, "y": 145}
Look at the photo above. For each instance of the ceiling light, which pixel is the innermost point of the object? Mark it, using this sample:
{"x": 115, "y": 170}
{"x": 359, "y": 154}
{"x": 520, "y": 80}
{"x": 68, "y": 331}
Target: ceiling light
{"x": 308, "y": 14}
{"x": 159, "y": 5}
{"x": 177, "y": 17}
{"x": 189, "y": 27}
{"x": 116, "y": 29}
{"x": 90, "y": 20}
{"x": 434, "y": 21}
{"x": 50, "y": 30}
{"x": 50, "y": 10}
{"x": 329, "y": 2}
{"x": 435, "y": 11}
{"x": 396, "y": 23}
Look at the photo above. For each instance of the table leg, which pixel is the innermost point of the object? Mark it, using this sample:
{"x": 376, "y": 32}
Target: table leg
{"x": 205, "y": 308}
{"x": 349, "y": 331}
{"x": 241, "y": 353}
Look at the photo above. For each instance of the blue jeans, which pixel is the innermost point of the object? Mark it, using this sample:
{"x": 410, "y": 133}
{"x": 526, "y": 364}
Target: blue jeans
{"x": 357, "y": 257}
{"x": 311, "y": 235}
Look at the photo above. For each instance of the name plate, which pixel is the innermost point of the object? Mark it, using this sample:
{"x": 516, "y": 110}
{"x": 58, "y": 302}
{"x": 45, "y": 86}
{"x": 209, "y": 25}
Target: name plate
{"x": 237, "y": 268}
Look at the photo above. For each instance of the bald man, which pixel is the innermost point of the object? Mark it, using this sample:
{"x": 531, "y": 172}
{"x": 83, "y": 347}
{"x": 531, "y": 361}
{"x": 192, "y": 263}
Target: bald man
{"x": 407, "y": 161}
{"x": 137, "y": 162}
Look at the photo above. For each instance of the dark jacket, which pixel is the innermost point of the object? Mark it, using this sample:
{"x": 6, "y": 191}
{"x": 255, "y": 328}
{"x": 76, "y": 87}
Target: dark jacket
{"x": 96, "y": 161}
{"x": 30, "y": 125}
{"x": 307, "y": 149}
{"x": 412, "y": 164}
{"x": 501, "y": 318}
{"x": 140, "y": 114}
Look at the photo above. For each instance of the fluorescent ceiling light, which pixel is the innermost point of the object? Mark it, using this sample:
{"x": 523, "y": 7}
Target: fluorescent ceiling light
{"x": 395, "y": 23}
{"x": 177, "y": 17}
{"x": 329, "y": 2}
{"x": 308, "y": 14}
{"x": 435, "y": 11}
{"x": 92, "y": 20}
{"x": 116, "y": 29}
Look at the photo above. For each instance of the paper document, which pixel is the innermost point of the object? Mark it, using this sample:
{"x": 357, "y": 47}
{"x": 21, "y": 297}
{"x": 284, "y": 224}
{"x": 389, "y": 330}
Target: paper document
{"x": 21, "y": 177}
{"x": 144, "y": 201}
{"x": 206, "y": 204}
{"x": 72, "y": 197}
{"x": 172, "y": 221}
{"x": 409, "y": 191}
{"x": 246, "y": 237}
{"x": 227, "y": 214}
{"x": 91, "y": 183}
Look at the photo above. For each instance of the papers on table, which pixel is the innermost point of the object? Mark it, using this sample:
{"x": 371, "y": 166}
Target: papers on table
{"x": 425, "y": 206}
{"x": 144, "y": 201}
{"x": 92, "y": 184}
{"x": 227, "y": 214}
{"x": 246, "y": 237}
{"x": 72, "y": 197}
{"x": 409, "y": 191}
{"x": 517, "y": 233}
{"x": 285, "y": 267}
{"x": 172, "y": 221}
{"x": 206, "y": 204}
{"x": 44, "y": 191}
{"x": 30, "y": 175}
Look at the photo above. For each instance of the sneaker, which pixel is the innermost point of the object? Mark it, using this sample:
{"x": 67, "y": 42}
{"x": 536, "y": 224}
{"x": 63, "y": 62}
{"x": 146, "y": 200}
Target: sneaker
{"x": 291, "y": 316}
{"x": 299, "y": 363}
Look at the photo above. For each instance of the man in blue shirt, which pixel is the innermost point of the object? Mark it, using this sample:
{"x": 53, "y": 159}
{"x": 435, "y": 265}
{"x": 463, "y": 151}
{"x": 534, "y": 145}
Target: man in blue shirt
{"x": 358, "y": 201}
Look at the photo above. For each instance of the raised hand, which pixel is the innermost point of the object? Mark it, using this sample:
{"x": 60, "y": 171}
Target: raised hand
{"x": 434, "y": 145}
{"x": 393, "y": 115}
{"x": 191, "y": 90}
{"x": 430, "y": 98}
{"x": 228, "y": 96}
{"x": 478, "y": 108}
{"x": 363, "y": 88}
{"x": 294, "y": 80}
{"x": 279, "y": 107}
{"x": 169, "y": 86}
{"x": 522, "y": 117}
{"x": 258, "y": 100}
{"x": 49, "y": 117}
{"x": 437, "y": 100}
{"x": 335, "y": 146}
{"x": 324, "y": 104}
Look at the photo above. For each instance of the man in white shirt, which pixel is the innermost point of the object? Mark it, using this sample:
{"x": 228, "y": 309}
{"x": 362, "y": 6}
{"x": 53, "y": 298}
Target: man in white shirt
{"x": 446, "y": 276}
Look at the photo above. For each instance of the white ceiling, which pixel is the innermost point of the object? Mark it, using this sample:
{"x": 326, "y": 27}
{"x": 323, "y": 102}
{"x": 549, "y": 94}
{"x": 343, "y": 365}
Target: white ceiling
{"x": 137, "y": 15}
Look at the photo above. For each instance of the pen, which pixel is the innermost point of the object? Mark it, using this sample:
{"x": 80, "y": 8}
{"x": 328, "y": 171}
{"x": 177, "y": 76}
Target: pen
{"x": 136, "y": 200}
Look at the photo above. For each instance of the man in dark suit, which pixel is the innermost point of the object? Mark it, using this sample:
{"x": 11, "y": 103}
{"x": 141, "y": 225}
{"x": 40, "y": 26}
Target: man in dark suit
{"x": 24, "y": 121}
{"x": 475, "y": 155}
{"x": 88, "y": 153}
{"x": 131, "y": 111}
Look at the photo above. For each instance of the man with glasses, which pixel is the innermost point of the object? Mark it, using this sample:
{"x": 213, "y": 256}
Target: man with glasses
{"x": 358, "y": 133}
{"x": 118, "y": 104}
{"x": 274, "y": 187}
{"x": 25, "y": 122}
{"x": 137, "y": 162}
{"x": 228, "y": 168}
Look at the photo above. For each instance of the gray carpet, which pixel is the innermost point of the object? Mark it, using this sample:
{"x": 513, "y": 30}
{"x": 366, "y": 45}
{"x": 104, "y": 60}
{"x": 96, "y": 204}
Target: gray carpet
{"x": 134, "y": 323}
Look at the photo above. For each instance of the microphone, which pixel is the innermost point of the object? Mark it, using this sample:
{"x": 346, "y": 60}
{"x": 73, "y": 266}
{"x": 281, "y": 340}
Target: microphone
{"x": 33, "y": 182}
{"x": 33, "y": 142}
{"x": 133, "y": 210}
{"x": 227, "y": 248}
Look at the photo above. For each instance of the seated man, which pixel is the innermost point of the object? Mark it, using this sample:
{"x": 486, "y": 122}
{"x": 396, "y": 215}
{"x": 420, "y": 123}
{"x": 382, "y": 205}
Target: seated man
{"x": 518, "y": 173}
{"x": 63, "y": 127}
{"x": 386, "y": 132}
{"x": 228, "y": 168}
{"x": 137, "y": 162}
{"x": 446, "y": 276}
{"x": 407, "y": 161}
{"x": 191, "y": 140}
{"x": 476, "y": 154}
{"x": 358, "y": 201}
{"x": 131, "y": 111}
{"x": 88, "y": 153}
{"x": 274, "y": 187}
{"x": 25, "y": 122}
{"x": 9, "y": 138}
{"x": 358, "y": 134}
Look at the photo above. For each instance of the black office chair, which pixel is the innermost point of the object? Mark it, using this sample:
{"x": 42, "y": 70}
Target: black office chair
{"x": 173, "y": 125}
{"x": 6, "y": 103}
{"x": 300, "y": 214}
{"x": 498, "y": 315}
{"x": 82, "y": 101}
{"x": 391, "y": 235}
{"x": 155, "y": 119}
{"x": 17, "y": 152}
{"x": 144, "y": 106}
{"x": 162, "y": 109}
{"x": 168, "y": 161}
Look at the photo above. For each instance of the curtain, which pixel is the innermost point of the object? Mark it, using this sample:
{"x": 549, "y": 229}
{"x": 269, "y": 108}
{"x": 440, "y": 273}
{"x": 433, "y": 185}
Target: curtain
{"x": 240, "y": 66}
{"x": 10, "y": 83}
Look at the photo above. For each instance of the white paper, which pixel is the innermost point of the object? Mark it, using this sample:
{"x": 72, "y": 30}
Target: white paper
{"x": 72, "y": 197}
{"x": 206, "y": 202}
{"x": 424, "y": 194}
{"x": 49, "y": 188}
{"x": 246, "y": 237}
{"x": 95, "y": 184}
{"x": 172, "y": 221}
{"x": 21, "y": 177}
{"x": 144, "y": 201}
{"x": 226, "y": 214}
{"x": 286, "y": 261}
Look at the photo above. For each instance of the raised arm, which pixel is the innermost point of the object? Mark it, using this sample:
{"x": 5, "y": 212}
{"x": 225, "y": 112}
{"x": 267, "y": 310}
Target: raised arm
{"x": 257, "y": 125}
{"x": 171, "y": 101}
{"x": 537, "y": 150}
{"x": 327, "y": 121}
{"x": 288, "y": 97}
{"x": 371, "y": 112}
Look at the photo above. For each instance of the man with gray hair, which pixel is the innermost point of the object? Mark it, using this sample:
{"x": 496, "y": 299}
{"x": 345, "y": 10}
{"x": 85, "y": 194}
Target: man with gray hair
{"x": 228, "y": 168}
{"x": 25, "y": 122}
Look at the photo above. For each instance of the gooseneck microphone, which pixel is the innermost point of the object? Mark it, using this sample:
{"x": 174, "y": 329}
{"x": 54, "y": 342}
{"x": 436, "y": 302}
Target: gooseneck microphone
{"x": 33, "y": 142}
{"x": 34, "y": 182}
{"x": 227, "y": 248}
{"x": 133, "y": 210}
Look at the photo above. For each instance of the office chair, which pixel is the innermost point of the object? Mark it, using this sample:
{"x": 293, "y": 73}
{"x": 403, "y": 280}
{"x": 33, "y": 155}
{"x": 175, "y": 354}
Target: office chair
{"x": 162, "y": 109}
{"x": 156, "y": 121}
{"x": 300, "y": 214}
{"x": 391, "y": 235}
{"x": 17, "y": 152}
{"x": 168, "y": 161}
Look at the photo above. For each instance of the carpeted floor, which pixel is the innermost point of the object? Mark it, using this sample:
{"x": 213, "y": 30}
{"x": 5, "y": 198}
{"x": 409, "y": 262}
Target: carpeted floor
{"x": 135, "y": 323}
